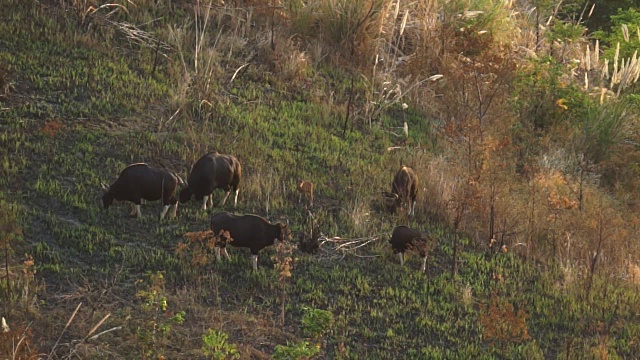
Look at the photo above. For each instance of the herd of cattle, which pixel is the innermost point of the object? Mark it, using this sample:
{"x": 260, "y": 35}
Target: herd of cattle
{"x": 212, "y": 171}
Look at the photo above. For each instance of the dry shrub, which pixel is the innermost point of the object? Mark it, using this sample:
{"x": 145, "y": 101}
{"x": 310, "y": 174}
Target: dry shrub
{"x": 197, "y": 247}
{"x": 576, "y": 225}
{"x": 351, "y": 27}
{"x": 358, "y": 212}
{"x": 633, "y": 273}
{"x": 51, "y": 128}
{"x": 437, "y": 185}
{"x": 17, "y": 343}
{"x": 569, "y": 275}
{"x": 477, "y": 175}
{"x": 502, "y": 323}
{"x": 292, "y": 64}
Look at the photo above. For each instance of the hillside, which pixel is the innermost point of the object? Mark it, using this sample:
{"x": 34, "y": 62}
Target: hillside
{"x": 522, "y": 130}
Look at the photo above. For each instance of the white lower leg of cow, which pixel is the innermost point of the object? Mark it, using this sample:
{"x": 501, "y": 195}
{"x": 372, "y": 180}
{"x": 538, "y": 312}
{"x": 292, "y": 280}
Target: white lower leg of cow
{"x": 217, "y": 254}
{"x": 164, "y": 212}
{"x": 235, "y": 201}
{"x": 225, "y": 198}
{"x": 424, "y": 264}
{"x": 210, "y": 200}
{"x": 204, "y": 202}
{"x": 133, "y": 210}
{"x": 401, "y": 256}
{"x": 138, "y": 212}
{"x": 227, "y": 254}
{"x": 174, "y": 213}
{"x": 254, "y": 262}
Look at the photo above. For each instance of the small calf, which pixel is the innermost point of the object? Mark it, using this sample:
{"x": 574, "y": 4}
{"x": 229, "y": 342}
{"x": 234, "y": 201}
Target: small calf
{"x": 306, "y": 188}
{"x": 404, "y": 238}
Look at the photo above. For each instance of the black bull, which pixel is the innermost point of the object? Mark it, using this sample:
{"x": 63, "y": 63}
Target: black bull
{"x": 140, "y": 181}
{"x": 251, "y": 231}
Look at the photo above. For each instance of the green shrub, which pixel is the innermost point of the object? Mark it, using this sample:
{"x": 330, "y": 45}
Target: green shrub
{"x": 545, "y": 98}
{"x": 216, "y": 346}
{"x": 601, "y": 128}
{"x": 299, "y": 351}
{"x": 316, "y": 322}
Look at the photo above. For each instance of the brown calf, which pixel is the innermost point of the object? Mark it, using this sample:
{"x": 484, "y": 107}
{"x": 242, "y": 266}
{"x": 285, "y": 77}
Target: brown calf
{"x": 306, "y": 187}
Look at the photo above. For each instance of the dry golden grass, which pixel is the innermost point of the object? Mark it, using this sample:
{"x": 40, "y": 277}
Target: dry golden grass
{"x": 633, "y": 272}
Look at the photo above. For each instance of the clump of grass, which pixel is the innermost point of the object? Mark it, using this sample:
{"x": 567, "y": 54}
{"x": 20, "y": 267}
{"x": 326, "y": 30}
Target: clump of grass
{"x": 217, "y": 347}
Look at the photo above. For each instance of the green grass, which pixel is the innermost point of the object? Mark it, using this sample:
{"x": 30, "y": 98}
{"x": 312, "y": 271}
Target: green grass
{"x": 111, "y": 108}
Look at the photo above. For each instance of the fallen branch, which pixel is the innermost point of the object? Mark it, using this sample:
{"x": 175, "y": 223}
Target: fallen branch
{"x": 339, "y": 247}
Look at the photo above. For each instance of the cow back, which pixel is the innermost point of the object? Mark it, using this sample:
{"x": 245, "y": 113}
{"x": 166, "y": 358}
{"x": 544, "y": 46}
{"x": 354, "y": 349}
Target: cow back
{"x": 405, "y": 183}
{"x": 403, "y": 236}
{"x": 141, "y": 181}
{"x": 213, "y": 171}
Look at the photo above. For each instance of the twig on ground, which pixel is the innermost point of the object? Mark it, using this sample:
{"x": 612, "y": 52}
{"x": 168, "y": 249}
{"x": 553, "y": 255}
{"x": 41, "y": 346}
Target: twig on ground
{"x": 339, "y": 247}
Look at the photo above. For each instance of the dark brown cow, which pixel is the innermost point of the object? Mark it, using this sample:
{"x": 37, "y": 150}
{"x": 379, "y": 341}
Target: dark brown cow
{"x": 140, "y": 181}
{"x": 404, "y": 190}
{"x": 251, "y": 231}
{"x": 404, "y": 238}
{"x": 213, "y": 171}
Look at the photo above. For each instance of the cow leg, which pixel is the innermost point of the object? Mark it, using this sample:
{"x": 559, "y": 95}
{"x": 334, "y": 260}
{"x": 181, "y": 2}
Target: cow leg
{"x": 218, "y": 253}
{"x": 210, "y": 200}
{"x": 413, "y": 208}
{"x": 226, "y": 253}
{"x": 164, "y": 211}
{"x": 174, "y": 213}
{"x": 254, "y": 262}
{"x": 235, "y": 201}
{"x": 204, "y": 202}
{"x": 424, "y": 264}
{"x": 401, "y": 256}
{"x": 225, "y": 199}
{"x": 138, "y": 212}
{"x": 133, "y": 210}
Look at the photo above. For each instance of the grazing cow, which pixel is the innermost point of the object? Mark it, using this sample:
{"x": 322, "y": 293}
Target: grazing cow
{"x": 306, "y": 188}
{"x": 404, "y": 190}
{"x": 140, "y": 181}
{"x": 404, "y": 238}
{"x": 210, "y": 172}
{"x": 250, "y": 231}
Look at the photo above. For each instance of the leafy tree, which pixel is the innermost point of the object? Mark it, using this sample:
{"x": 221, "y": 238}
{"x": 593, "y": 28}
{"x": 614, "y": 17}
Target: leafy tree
{"x": 602, "y": 18}
{"x": 629, "y": 42}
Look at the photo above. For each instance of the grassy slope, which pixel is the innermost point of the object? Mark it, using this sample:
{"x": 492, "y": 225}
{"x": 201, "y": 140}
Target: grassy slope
{"x": 111, "y": 113}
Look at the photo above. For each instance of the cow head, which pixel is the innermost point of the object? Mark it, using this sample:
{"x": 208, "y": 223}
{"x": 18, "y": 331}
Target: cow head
{"x": 185, "y": 194}
{"x": 391, "y": 200}
{"x": 284, "y": 232}
{"x": 107, "y": 196}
